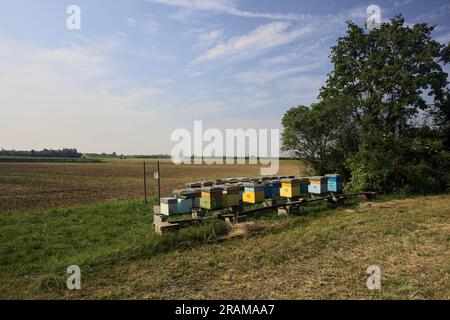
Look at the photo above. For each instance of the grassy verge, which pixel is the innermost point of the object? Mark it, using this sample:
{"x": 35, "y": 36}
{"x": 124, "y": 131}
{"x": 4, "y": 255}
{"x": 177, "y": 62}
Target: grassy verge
{"x": 323, "y": 253}
{"x": 36, "y": 247}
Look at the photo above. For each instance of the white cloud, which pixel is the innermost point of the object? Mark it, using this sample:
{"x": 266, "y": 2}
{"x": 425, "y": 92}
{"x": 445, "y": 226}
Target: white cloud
{"x": 265, "y": 76}
{"x": 402, "y": 3}
{"x": 261, "y": 39}
{"x": 224, "y": 7}
{"x": 131, "y": 22}
{"x": 205, "y": 37}
{"x": 148, "y": 25}
{"x": 209, "y": 38}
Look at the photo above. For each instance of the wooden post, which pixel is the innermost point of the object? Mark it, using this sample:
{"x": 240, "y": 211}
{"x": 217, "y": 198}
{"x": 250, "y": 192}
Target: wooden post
{"x": 159, "y": 183}
{"x": 145, "y": 184}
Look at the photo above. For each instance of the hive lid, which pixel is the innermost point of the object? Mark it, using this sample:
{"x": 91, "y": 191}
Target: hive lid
{"x": 207, "y": 183}
{"x": 333, "y": 175}
{"x": 231, "y": 188}
{"x": 253, "y": 185}
{"x": 193, "y": 185}
{"x": 290, "y": 180}
{"x": 318, "y": 178}
{"x": 213, "y": 189}
{"x": 219, "y": 182}
{"x": 231, "y": 180}
{"x": 168, "y": 200}
{"x": 185, "y": 192}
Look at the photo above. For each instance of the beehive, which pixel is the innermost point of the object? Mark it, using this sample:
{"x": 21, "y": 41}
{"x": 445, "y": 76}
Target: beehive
{"x": 184, "y": 205}
{"x": 290, "y": 188}
{"x": 318, "y": 185}
{"x": 193, "y": 194}
{"x": 253, "y": 193}
{"x": 231, "y": 196}
{"x": 196, "y": 195}
{"x": 169, "y": 206}
{"x": 212, "y": 198}
{"x": 272, "y": 189}
{"x": 304, "y": 185}
{"x": 335, "y": 183}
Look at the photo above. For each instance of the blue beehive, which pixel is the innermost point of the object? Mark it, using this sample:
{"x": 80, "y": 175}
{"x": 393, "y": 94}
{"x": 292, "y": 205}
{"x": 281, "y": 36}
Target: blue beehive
{"x": 335, "y": 183}
{"x": 272, "y": 189}
{"x": 304, "y": 185}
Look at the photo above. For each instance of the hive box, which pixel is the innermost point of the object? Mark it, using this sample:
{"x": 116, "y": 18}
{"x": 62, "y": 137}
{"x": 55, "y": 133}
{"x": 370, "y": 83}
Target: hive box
{"x": 196, "y": 195}
{"x": 253, "y": 193}
{"x": 335, "y": 183}
{"x": 318, "y": 185}
{"x": 290, "y": 188}
{"x": 184, "y": 205}
{"x": 272, "y": 189}
{"x": 169, "y": 206}
{"x": 212, "y": 198}
{"x": 231, "y": 196}
{"x": 304, "y": 185}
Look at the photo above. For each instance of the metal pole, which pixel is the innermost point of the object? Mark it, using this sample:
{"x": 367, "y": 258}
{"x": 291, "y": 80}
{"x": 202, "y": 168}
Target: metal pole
{"x": 159, "y": 183}
{"x": 145, "y": 184}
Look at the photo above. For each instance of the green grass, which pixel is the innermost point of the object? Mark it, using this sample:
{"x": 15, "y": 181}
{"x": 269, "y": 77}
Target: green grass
{"x": 323, "y": 253}
{"x": 40, "y": 245}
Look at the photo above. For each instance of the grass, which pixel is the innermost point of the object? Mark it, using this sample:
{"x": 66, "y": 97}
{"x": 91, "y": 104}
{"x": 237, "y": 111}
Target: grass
{"x": 323, "y": 253}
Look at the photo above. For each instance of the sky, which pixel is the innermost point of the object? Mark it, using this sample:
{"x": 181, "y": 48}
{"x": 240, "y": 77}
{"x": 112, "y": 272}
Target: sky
{"x": 139, "y": 69}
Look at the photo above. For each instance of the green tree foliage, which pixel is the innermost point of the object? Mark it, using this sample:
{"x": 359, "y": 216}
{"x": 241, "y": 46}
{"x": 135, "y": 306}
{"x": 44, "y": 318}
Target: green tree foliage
{"x": 383, "y": 116}
{"x": 46, "y": 153}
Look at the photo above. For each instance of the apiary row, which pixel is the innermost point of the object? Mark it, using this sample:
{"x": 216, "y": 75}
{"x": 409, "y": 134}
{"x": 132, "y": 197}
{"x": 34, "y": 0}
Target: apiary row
{"x": 215, "y": 195}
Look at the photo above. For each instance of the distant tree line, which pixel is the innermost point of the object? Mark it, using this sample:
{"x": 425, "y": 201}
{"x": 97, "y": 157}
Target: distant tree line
{"x": 153, "y": 156}
{"x": 46, "y": 153}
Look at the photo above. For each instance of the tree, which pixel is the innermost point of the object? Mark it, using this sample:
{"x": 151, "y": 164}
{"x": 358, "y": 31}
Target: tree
{"x": 385, "y": 100}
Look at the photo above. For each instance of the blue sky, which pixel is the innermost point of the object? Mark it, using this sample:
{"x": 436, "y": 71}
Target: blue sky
{"x": 139, "y": 69}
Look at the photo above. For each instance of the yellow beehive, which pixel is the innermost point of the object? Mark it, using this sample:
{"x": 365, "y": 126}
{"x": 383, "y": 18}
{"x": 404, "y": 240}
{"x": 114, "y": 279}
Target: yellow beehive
{"x": 253, "y": 197}
{"x": 290, "y": 188}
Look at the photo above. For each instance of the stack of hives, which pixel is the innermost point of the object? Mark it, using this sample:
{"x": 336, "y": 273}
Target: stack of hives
{"x": 232, "y": 192}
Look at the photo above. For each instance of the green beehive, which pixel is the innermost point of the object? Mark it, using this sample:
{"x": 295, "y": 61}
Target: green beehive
{"x": 212, "y": 199}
